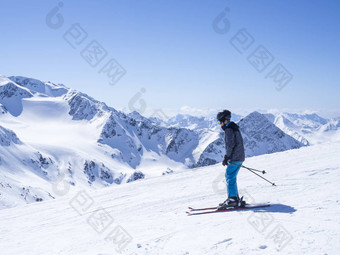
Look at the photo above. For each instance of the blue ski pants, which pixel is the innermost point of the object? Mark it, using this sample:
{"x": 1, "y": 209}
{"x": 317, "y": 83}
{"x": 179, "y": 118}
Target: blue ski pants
{"x": 231, "y": 178}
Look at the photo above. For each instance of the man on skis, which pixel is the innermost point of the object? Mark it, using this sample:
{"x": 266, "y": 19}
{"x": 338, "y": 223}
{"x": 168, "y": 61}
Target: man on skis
{"x": 233, "y": 158}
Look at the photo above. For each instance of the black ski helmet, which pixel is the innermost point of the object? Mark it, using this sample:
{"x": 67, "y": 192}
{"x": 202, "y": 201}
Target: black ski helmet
{"x": 224, "y": 115}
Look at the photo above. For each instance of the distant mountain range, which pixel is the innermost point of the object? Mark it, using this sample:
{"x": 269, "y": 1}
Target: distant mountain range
{"x": 49, "y": 131}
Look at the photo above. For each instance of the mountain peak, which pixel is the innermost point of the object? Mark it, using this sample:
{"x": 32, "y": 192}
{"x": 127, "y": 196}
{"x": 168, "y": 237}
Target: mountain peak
{"x": 262, "y": 137}
{"x": 38, "y": 87}
{"x": 255, "y": 115}
{"x": 11, "y": 95}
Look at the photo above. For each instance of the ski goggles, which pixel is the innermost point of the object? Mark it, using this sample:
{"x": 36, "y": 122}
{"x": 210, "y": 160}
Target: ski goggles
{"x": 220, "y": 121}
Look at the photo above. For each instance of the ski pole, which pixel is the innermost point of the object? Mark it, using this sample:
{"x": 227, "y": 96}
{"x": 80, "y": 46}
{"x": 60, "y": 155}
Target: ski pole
{"x": 253, "y": 171}
{"x": 261, "y": 171}
{"x": 272, "y": 183}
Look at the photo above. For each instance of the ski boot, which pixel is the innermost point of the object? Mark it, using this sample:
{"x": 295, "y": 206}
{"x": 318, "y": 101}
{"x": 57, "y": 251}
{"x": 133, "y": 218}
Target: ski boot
{"x": 232, "y": 202}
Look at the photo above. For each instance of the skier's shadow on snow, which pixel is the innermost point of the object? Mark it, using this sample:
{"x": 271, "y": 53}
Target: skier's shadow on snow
{"x": 277, "y": 208}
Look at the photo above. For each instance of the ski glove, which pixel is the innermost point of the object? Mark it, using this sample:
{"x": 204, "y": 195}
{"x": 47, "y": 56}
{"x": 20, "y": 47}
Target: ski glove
{"x": 226, "y": 160}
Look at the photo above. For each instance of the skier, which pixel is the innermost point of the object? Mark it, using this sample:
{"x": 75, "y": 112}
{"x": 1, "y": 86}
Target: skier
{"x": 233, "y": 158}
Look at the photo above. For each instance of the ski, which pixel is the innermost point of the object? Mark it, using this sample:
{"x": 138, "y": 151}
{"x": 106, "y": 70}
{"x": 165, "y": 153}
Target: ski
{"x": 229, "y": 209}
{"x": 215, "y": 207}
{"x": 202, "y": 209}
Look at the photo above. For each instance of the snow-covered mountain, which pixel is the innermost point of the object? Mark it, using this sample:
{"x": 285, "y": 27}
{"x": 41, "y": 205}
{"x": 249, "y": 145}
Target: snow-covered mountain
{"x": 262, "y": 137}
{"x": 11, "y": 95}
{"x": 306, "y": 128}
{"x": 63, "y": 132}
{"x": 87, "y": 142}
{"x": 38, "y": 87}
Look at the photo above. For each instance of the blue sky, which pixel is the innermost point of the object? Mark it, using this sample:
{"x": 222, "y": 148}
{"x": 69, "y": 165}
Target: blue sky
{"x": 174, "y": 57}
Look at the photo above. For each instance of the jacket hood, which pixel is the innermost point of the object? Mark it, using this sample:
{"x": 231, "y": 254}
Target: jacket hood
{"x": 233, "y": 126}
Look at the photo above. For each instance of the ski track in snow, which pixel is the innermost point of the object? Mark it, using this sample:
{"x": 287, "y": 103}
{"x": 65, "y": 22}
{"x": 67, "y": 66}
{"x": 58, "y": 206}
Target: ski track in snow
{"x": 305, "y": 206}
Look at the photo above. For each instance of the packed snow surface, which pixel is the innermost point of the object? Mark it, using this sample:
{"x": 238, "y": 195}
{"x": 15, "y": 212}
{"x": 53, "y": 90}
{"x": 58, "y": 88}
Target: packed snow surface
{"x": 148, "y": 216}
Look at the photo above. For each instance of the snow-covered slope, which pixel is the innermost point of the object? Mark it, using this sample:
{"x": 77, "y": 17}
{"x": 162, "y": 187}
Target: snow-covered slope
{"x": 3, "y": 109}
{"x": 25, "y": 172}
{"x": 148, "y": 217}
